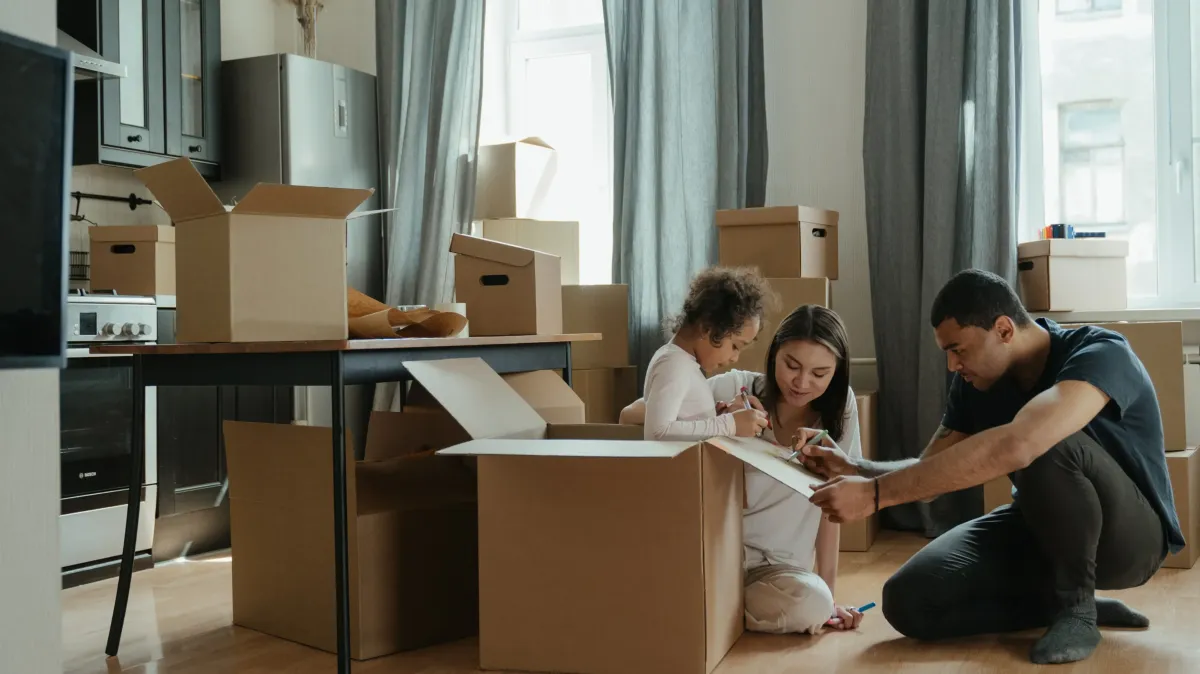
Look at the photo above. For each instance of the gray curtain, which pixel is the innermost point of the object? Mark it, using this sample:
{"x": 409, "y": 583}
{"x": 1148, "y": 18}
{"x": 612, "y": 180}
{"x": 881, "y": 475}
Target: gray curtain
{"x": 430, "y": 72}
{"x": 689, "y": 132}
{"x": 939, "y": 162}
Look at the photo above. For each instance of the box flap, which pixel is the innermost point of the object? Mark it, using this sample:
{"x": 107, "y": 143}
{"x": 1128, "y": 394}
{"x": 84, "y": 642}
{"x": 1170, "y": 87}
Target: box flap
{"x": 548, "y": 395}
{"x": 478, "y": 399}
{"x": 534, "y": 140}
{"x": 311, "y": 202}
{"x": 776, "y": 215}
{"x": 596, "y": 449}
{"x": 495, "y": 251}
{"x": 1073, "y": 248}
{"x": 764, "y": 456}
{"x": 122, "y": 233}
{"x": 181, "y": 190}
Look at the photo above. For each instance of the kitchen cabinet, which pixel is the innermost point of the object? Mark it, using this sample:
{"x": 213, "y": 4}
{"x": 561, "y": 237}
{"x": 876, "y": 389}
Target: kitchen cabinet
{"x": 167, "y": 104}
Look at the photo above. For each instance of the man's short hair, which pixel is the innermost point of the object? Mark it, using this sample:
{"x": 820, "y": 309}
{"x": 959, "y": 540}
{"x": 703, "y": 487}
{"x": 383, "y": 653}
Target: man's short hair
{"x": 977, "y": 298}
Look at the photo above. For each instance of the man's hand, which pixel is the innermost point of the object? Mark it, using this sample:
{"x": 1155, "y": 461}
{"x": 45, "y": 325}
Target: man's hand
{"x": 846, "y": 498}
{"x": 826, "y": 459}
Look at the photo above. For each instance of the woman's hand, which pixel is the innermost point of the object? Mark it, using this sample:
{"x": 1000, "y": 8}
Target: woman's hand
{"x": 825, "y": 458}
{"x": 845, "y": 618}
{"x": 749, "y": 423}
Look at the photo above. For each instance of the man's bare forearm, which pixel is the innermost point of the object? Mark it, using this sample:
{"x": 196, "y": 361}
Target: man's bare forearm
{"x": 867, "y": 468}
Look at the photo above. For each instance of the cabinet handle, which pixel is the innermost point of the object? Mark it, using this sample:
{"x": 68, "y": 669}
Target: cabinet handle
{"x": 193, "y": 148}
{"x": 135, "y": 138}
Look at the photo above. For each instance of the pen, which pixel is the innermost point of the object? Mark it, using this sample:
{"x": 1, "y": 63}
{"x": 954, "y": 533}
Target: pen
{"x": 861, "y": 609}
{"x": 746, "y": 403}
{"x": 812, "y": 441}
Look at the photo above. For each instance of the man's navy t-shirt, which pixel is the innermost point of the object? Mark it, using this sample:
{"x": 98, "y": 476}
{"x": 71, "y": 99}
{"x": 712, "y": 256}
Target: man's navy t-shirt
{"x": 1129, "y": 427}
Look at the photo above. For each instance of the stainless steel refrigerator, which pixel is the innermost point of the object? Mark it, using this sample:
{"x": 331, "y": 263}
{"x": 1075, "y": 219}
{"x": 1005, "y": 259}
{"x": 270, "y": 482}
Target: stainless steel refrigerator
{"x": 298, "y": 121}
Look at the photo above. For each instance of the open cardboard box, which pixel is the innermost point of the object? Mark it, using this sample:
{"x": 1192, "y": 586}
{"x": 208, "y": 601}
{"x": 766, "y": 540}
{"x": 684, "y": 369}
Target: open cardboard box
{"x": 600, "y": 553}
{"x": 412, "y": 533}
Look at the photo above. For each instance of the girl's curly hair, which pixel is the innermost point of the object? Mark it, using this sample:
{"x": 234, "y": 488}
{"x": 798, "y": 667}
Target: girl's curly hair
{"x": 720, "y": 301}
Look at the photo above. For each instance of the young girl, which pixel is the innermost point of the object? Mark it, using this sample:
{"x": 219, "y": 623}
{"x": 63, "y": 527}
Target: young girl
{"x": 791, "y": 551}
{"x": 721, "y": 315}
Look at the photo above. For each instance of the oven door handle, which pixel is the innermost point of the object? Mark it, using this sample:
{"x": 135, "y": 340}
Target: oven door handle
{"x": 86, "y": 352}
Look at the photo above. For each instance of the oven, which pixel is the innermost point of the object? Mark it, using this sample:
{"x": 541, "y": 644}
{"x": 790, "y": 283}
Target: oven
{"x": 97, "y": 433}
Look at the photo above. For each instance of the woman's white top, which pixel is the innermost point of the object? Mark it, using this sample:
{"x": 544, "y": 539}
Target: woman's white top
{"x": 679, "y": 402}
{"x": 779, "y": 525}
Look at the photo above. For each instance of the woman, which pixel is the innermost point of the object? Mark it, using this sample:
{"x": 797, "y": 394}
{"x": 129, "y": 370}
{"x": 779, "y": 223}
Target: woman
{"x": 791, "y": 551}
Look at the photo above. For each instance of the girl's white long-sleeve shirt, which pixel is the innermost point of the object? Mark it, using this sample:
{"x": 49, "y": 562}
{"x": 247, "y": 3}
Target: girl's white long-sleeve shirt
{"x": 679, "y": 401}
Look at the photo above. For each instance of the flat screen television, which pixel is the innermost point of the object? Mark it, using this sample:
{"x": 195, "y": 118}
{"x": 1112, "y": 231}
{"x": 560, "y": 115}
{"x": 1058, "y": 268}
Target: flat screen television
{"x": 37, "y": 89}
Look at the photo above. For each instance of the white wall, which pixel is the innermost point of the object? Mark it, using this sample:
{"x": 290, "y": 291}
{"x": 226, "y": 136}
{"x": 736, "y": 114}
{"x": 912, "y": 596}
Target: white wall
{"x": 30, "y": 613}
{"x": 815, "y": 60}
{"x": 345, "y": 31}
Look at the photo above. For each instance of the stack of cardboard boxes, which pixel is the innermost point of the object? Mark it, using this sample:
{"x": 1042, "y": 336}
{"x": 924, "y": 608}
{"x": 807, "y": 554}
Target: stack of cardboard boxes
{"x": 513, "y": 186}
{"x": 601, "y": 373}
{"x": 1159, "y": 345}
{"x": 796, "y": 249}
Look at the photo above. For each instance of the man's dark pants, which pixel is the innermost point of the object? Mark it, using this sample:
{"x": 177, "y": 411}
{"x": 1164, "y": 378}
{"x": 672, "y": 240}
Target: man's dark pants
{"x": 1079, "y": 524}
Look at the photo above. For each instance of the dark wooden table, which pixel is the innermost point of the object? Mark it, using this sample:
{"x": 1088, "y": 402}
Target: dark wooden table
{"x": 335, "y": 363}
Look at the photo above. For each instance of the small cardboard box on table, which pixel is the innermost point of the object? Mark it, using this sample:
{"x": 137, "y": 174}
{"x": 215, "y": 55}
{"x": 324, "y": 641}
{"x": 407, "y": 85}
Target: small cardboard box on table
{"x": 600, "y": 553}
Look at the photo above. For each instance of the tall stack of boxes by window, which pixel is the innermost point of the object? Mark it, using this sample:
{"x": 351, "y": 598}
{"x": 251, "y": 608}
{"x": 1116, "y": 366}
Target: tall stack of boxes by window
{"x": 795, "y": 248}
{"x": 1089, "y": 274}
{"x": 514, "y": 184}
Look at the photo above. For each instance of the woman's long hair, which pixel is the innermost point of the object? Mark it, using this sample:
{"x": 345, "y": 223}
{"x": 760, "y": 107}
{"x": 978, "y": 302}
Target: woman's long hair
{"x": 817, "y": 324}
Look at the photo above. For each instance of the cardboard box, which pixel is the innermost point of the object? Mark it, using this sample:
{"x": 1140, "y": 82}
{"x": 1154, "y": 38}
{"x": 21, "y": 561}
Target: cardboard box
{"x": 508, "y": 290}
{"x": 133, "y": 260}
{"x": 416, "y": 430}
{"x": 602, "y": 309}
{"x": 584, "y": 541}
{"x": 781, "y": 241}
{"x": 1184, "y": 469}
{"x": 1191, "y": 403}
{"x": 605, "y": 392}
{"x": 271, "y": 269}
{"x": 514, "y": 180}
{"x": 1072, "y": 274}
{"x": 793, "y": 293}
{"x": 547, "y": 393}
{"x": 413, "y": 542}
{"x": 1159, "y": 345}
{"x": 859, "y": 536}
{"x": 556, "y": 238}
{"x": 996, "y": 493}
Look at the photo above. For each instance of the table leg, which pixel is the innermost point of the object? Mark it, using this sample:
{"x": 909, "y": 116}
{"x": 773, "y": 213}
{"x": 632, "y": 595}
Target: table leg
{"x": 138, "y": 449}
{"x": 340, "y": 538}
{"x": 567, "y": 369}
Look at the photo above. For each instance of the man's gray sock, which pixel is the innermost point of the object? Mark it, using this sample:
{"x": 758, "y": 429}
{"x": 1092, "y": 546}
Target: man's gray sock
{"x": 1072, "y": 636}
{"x": 1114, "y": 613}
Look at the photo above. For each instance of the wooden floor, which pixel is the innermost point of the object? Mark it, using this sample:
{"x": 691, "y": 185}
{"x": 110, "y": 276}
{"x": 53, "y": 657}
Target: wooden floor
{"x": 179, "y": 623}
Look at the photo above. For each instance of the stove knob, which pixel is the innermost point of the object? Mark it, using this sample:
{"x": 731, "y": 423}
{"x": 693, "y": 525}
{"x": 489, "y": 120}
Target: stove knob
{"x": 143, "y": 329}
{"x": 130, "y": 330}
{"x": 108, "y": 329}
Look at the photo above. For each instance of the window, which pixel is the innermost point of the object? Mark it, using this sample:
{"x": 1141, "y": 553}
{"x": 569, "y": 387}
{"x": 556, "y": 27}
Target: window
{"x": 546, "y": 75}
{"x": 1091, "y": 162}
{"x": 1110, "y": 133}
{"x": 1087, "y": 6}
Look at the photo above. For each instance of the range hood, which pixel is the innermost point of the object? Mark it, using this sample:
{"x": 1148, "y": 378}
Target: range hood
{"x": 88, "y": 64}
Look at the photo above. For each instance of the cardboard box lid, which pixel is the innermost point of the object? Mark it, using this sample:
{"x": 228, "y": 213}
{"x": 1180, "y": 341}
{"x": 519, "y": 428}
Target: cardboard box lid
{"x": 493, "y": 251}
{"x": 181, "y": 190}
{"x": 310, "y": 202}
{"x": 528, "y": 140}
{"x": 122, "y": 233}
{"x": 776, "y": 215}
{"x": 481, "y": 401}
{"x": 185, "y": 195}
{"x": 1073, "y": 248}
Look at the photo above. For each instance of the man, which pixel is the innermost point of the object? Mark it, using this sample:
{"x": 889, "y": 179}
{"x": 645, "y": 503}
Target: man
{"x": 1072, "y": 418}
